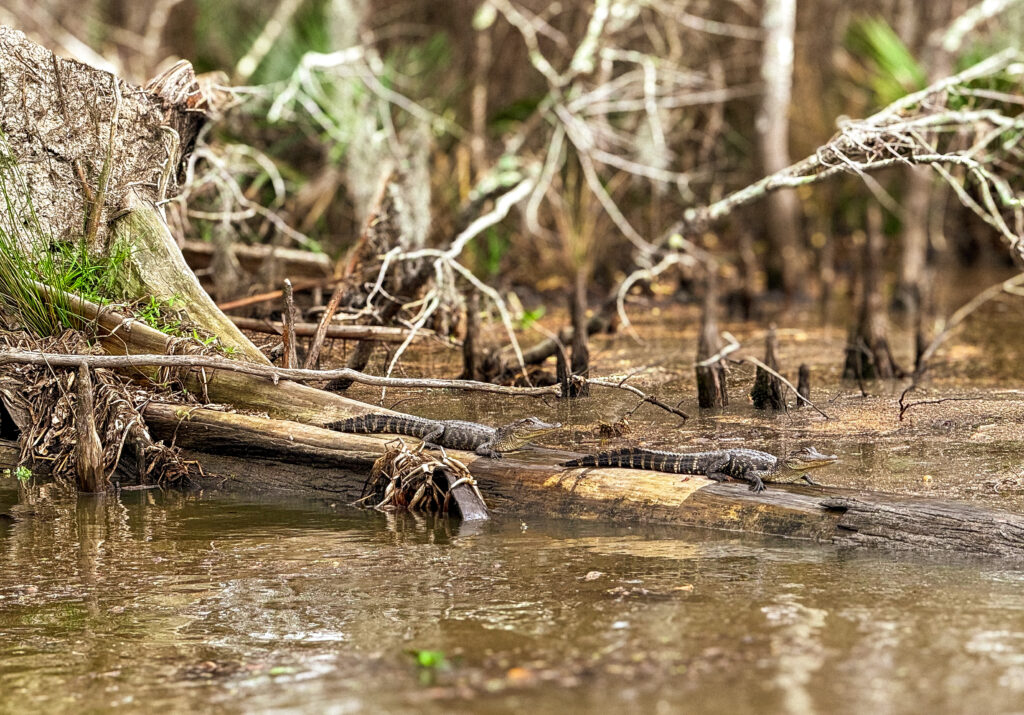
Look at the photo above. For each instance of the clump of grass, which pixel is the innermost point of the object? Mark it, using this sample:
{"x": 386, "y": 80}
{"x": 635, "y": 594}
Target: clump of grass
{"x": 22, "y": 238}
{"x": 96, "y": 277}
{"x": 31, "y": 260}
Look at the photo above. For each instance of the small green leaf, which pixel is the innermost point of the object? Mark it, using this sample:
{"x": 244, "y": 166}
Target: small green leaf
{"x": 429, "y": 658}
{"x": 530, "y": 317}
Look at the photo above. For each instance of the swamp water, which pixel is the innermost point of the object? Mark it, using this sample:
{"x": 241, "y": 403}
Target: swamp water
{"x": 149, "y": 601}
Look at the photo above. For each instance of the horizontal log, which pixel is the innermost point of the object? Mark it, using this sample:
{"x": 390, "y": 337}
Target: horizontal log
{"x": 310, "y": 461}
{"x": 928, "y": 524}
{"x": 296, "y": 263}
{"x": 377, "y": 333}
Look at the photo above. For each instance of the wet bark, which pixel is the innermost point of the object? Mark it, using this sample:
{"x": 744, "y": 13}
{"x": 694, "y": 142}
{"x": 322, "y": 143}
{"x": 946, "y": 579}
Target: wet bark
{"x": 89, "y": 471}
{"x": 712, "y": 390}
{"x": 768, "y": 392}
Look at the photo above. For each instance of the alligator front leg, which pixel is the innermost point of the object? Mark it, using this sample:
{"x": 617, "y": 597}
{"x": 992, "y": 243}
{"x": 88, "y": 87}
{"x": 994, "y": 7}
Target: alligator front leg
{"x": 756, "y": 483}
{"x": 487, "y": 450}
{"x": 811, "y": 481}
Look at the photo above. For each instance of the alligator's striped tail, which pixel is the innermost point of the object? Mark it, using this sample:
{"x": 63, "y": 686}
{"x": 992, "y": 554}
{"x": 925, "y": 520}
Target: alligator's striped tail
{"x": 387, "y": 424}
{"x": 634, "y": 458}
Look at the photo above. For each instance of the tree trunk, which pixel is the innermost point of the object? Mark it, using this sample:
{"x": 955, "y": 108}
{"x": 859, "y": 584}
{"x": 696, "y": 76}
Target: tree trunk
{"x": 785, "y": 269}
{"x": 471, "y": 368}
{"x": 580, "y": 364}
{"x": 867, "y": 353}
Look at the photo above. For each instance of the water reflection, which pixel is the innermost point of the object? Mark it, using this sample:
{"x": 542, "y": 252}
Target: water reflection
{"x": 182, "y": 602}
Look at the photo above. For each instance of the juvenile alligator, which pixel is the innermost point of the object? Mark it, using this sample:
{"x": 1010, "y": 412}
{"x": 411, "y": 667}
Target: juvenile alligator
{"x": 453, "y": 434}
{"x": 748, "y": 465}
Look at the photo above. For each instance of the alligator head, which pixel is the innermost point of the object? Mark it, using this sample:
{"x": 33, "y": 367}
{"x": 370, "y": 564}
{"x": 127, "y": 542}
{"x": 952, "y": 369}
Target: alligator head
{"x": 807, "y": 458}
{"x": 515, "y": 434}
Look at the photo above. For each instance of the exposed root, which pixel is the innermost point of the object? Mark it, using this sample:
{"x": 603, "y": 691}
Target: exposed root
{"x": 408, "y": 478}
{"x": 41, "y": 401}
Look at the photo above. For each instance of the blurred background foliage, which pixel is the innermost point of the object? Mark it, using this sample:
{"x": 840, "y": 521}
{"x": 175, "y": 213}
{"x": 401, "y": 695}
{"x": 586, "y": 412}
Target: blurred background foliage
{"x": 316, "y": 136}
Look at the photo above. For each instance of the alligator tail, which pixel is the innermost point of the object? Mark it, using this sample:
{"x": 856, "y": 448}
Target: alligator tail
{"x": 387, "y": 424}
{"x": 629, "y": 457}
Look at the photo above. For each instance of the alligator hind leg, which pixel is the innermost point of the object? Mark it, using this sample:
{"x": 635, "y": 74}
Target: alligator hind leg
{"x": 718, "y": 476}
{"x": 434, "y": 439}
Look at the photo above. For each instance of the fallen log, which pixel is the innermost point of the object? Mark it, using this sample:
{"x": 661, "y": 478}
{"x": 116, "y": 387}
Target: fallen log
{"x": 314, "y": 462}
{"x": 296, "y": 263}
{"x": 377, "y": 333}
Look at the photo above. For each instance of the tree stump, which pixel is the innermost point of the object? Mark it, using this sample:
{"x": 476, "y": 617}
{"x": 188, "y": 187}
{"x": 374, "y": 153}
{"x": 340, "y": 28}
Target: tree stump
{"x": 803, "y": 384}
{"x": 96, "y": 156}
{"x": 711, "y": 386}
{"x": 89, "y": 449}
{"x": 768, "y": 392}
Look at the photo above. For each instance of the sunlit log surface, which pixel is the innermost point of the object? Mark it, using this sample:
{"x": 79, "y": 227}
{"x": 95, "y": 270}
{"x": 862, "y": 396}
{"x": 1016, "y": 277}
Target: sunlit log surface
{"x": 257, "y": 454}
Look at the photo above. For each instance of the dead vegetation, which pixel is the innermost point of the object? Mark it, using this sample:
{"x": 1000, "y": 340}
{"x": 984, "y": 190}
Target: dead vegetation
{"x": 41, "y": 403}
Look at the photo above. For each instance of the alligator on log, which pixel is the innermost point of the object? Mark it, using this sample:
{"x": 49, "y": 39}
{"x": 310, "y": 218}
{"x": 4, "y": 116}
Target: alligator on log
{"x": 748, "y": 465}
{"x": 452, "y": 434}
{"x": 259, "y": 454}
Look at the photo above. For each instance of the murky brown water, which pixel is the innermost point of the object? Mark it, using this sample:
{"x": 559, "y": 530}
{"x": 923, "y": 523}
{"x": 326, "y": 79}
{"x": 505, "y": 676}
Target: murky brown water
{"x": 151, "y": 601}
{"x": 161, "y": 602}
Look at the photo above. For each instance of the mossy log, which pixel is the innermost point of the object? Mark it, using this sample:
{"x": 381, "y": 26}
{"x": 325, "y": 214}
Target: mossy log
{"x": 256, "y": 454}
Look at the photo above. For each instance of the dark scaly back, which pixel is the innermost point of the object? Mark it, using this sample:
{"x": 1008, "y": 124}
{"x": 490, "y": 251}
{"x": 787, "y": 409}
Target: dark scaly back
{"x": 465, "y": 435}
{"x": 640, "y": 458}
{"x": 386, "y": 424}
